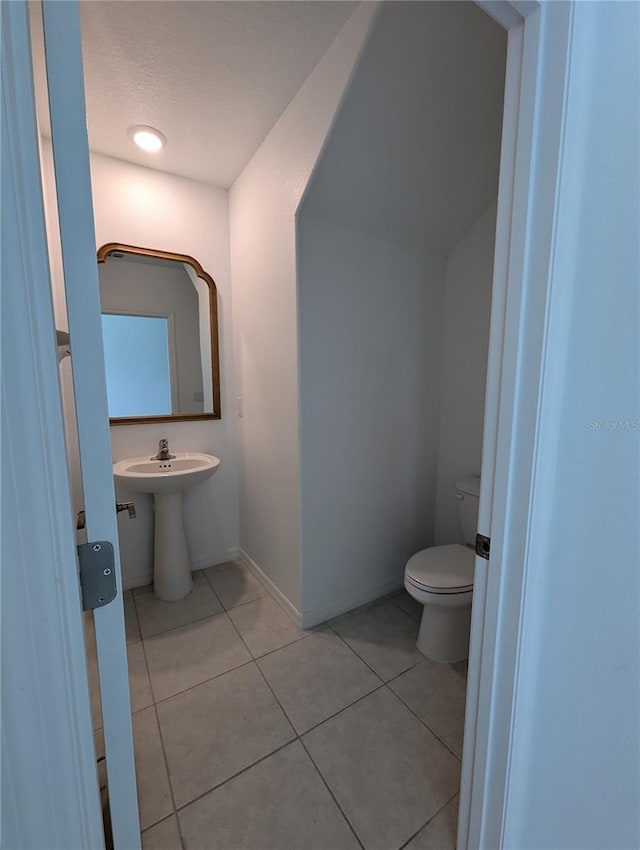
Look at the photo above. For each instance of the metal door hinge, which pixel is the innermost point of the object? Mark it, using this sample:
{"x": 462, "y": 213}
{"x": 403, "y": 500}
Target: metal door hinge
{"x": 483, "y": 546}
{"x": 97, "y": 574}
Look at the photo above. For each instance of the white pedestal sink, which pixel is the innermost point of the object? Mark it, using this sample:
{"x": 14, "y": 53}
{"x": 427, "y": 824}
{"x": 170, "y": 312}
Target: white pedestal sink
{"x": 167, "y": 479}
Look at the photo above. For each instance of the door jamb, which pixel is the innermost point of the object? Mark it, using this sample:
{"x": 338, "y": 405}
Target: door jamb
{"x": 536, "y": 83}
{"x": 65, "y": 83}
{"x": 50, "y": 790}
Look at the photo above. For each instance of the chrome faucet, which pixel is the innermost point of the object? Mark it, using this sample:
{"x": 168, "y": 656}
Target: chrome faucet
{"x": 163, "y": 451}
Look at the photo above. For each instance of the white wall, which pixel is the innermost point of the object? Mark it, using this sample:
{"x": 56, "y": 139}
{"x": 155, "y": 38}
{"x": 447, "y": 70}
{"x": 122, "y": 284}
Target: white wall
{"x": 263, "y": 203}
{"x": 370, "y": 315}
{"x": 421, "y": 122}
{"x": 139, "y": 206}
{"x": 372, "y": 319}
{"x": 465, "y": 343}
{"x": 575, "y": 768}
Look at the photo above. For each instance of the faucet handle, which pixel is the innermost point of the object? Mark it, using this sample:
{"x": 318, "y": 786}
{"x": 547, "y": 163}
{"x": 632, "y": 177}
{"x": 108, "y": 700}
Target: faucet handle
{"x": 163, "y": 450}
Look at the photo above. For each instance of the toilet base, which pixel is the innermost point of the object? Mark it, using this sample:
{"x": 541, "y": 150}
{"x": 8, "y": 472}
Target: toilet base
{"x": 445, "y": 627}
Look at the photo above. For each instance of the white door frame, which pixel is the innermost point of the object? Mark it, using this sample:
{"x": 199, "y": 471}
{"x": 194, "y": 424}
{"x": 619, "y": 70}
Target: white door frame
{"x": 535, "y": 87}
{"x": 70, "y": 144}
{"x": 50, "y": 752}
{"x": 50, "y": 795}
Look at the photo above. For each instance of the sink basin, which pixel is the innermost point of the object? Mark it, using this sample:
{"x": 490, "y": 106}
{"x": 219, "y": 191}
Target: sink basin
{"x": 165, "y": 476}
{"x": 167, "y": 479}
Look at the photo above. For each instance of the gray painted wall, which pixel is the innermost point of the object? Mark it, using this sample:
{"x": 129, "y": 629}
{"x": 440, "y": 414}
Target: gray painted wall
{"x": 465, "y": 345}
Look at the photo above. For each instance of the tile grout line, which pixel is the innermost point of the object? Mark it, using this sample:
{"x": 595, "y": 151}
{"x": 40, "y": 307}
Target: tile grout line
{"x": 252, "y": 659}
{"x": 400, "y": 608}
{"x": 356, "y": 653}
{"x": 424, "y": 723}
{"x": 162, "y": 747}
{"x": 222, "y": 610}
{"x": 219, "y": 785}
{"x": 393, "y": 678}
{"x": 298, "y": 737}
{"x": 295, "y": 731}
{"x": 364, "y": 661}
{"x": 428, "y": 821}
{"x": 265, "y": 595}
{"x": 197, "y": 684}
{"x": 255, "y": 661}
{"x": 253, "y": 764}
{"x": 331, "y": 794}
{"x": 340, "y": 710}
{"x": 182, "y": 625}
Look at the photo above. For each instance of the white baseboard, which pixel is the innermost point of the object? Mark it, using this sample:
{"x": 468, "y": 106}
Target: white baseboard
{"x": 276, "y": 594}
{"x": 215, "y": 559}
{"x": 304, "y": 620}
{"x": 367, "y": 594}
{"x": 146, "y": 577}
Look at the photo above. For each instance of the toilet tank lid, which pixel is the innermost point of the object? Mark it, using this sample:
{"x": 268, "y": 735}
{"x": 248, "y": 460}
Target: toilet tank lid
{"x": 443, "y": 567}
{"x": 470, "y": 485}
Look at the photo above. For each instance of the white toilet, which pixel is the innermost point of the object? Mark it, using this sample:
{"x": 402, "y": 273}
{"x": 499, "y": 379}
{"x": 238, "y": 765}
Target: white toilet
{"x": 441, "y": 578}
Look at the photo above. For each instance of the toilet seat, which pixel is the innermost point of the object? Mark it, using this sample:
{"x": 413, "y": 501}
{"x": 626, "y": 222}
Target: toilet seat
{"x": 442, "y": 569}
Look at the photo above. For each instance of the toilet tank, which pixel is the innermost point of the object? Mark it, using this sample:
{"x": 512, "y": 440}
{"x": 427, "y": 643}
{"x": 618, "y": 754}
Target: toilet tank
{"x": 468, "y": 493}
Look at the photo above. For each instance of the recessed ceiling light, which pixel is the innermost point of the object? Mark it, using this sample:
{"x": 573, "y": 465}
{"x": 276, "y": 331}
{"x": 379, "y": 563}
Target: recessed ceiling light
{"x": 148, "y": 138}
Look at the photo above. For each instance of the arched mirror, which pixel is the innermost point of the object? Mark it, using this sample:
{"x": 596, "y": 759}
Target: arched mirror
{"x": 160, "y": 329}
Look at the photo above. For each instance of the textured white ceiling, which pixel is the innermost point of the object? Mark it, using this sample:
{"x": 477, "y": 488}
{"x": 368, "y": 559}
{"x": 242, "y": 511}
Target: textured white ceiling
{"x": 414, "y": 151}
{"x": 212, "y": 76}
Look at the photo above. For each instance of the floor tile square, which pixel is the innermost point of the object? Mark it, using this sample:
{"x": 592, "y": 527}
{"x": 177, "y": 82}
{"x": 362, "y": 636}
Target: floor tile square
{"x": 440, "y": 833}
{"x": 154, "y": 795}
{"x": 437, "y": 694}
{"x": 191, "y": 654}
{"x": 264, "y": 626}
{"x": 131, "y": 625}
{"x": 279, "y": 804}
{"x": 139, "y": 685}
{"x": 163, "y": 836}
{"x": 388, "y": 773}
{"x": 316, "y": 677}
{"x": 219, "y": 728}
{"x": 156, "y": 616}
{"x": 383, "y": 636}
{"x": 408, "y": 604}
{"x": 234, "y": 584}
{"x": 461, "y": 668}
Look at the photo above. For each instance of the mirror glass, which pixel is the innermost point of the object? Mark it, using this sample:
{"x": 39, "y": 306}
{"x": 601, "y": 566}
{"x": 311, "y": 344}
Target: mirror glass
{"x": 159, "y": 322}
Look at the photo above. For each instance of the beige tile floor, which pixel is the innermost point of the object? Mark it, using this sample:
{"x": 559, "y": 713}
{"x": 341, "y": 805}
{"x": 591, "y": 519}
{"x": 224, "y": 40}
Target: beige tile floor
{"x": 251, "y": 734}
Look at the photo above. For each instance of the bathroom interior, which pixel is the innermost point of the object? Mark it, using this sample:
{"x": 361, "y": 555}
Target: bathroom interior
{"x": 279, "y": 698}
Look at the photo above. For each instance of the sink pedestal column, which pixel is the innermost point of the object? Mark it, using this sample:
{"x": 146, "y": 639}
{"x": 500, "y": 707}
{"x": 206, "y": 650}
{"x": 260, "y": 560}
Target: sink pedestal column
{"x": 172, "y": 573}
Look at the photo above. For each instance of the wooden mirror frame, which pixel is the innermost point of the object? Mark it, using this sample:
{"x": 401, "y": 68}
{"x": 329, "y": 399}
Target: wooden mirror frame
{"x": 109, "y": 248}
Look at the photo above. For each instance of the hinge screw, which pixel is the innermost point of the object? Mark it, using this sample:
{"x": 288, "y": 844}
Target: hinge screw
{"x": 107, "y": 572}
{"x": 97, "y": 547}
{"x": 101, "y": 598}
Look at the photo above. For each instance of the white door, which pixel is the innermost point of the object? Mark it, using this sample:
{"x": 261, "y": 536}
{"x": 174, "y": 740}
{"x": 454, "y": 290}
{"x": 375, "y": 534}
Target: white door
{"x": 75, "y": 210}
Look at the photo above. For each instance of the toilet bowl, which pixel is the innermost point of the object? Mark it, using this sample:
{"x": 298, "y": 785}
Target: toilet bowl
{"x": 441, "y": 579}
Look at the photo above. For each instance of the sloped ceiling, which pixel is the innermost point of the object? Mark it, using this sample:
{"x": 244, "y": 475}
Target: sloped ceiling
{"x": 414, "y": 151}
{"x": 214, "y": 77}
